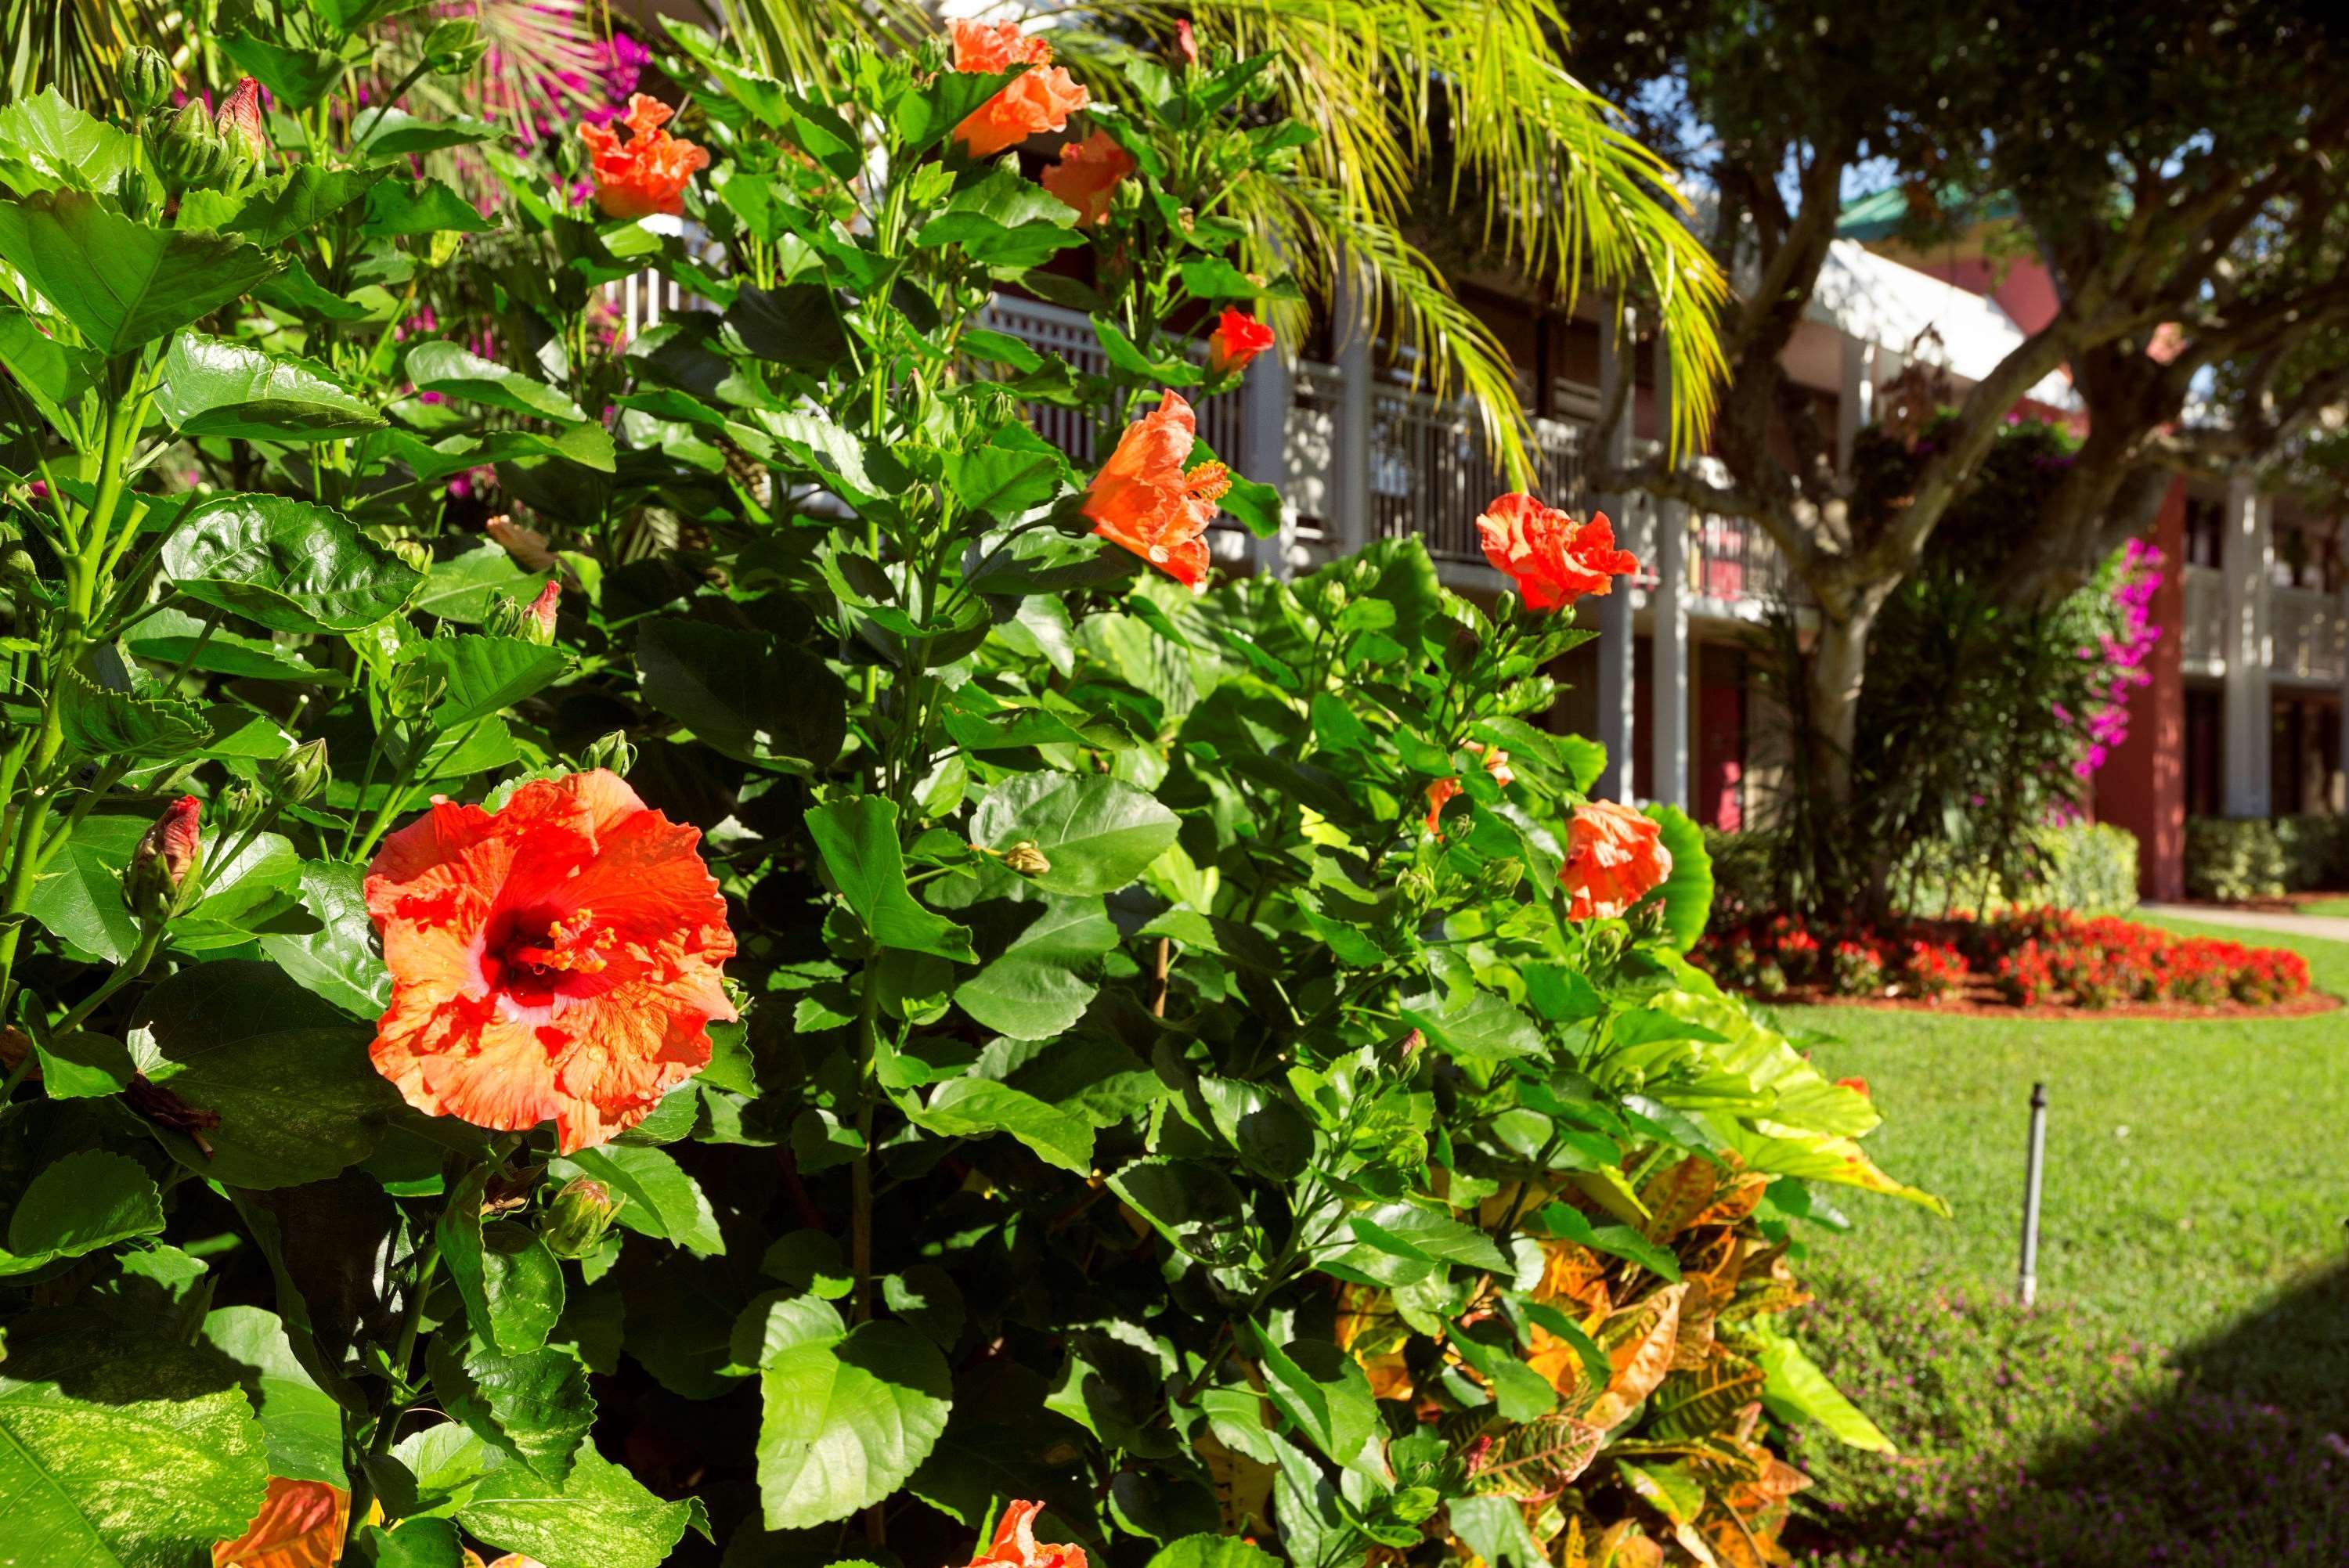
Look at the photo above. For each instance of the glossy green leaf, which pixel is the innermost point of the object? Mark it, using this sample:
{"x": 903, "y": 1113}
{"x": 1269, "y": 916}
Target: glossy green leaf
{"x": 1097, "y": 833}
{"x": 597, "y": 1516}
{"x": 1795, "y": 1388}
{"x": 286, "y": 565}
{"x": 1319, "y": 1388}
{"x": 122, "y": 1450}
{"x": 63, "y": 145}
{"x": 88, "y": 1200}
{"x": 534, "y": 1405}
{"x": 300, "y": 1421}
{"x": 395, "y": 133}
{"x": 436, "y": 365}
{"x": 848, "y": 1417}
{"x": 399, "y": 206}
{"x": 973, "y": 1107}
{"x": 858, "y": 840}
{"x": 512, "y": 1285}
{"x": 1477, "y": 1027}
{"x": 1040, "y": 985}
{"x": 212, "y": 386}
{"x": 172, "y": 638}
{"x": 1687, "y": 893}
{"x": 337, "y": 962}
{"x": 120, "y": 283}
{"x": 741, "y": 693}
{"x": 663, "y": 1200}
{"x": 101, "y": 722}
{"x": 478, "y": 675}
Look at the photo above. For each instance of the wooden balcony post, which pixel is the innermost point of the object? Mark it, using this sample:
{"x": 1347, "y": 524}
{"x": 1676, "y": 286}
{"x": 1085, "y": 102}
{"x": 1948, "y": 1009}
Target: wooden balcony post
{"x": 2245, "y": 559}
{"x": 1667, "y": 622}
{"x": 1618, "y": 693}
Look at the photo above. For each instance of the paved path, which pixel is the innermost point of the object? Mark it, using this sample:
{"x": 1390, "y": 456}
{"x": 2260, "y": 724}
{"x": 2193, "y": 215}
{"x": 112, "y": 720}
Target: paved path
{"x": 2327, "y": 926}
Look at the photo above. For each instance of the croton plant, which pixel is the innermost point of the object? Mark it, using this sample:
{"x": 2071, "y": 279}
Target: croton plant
{"x": 824, "y": 988}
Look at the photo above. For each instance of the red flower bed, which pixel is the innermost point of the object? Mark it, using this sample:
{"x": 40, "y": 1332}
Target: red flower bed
{"x": 2025, "y": 959}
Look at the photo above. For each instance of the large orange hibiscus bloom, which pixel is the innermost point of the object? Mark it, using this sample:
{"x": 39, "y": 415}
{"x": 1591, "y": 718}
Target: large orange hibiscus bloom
{"x": 1086, "y": 176}
{"x": 1016, "y": 1546}
{"x": 558, "y": 959}
{"x": 1614, "y": 855}
{"x": 1144, "y": 500}
{"x": 1040, "y": 98}
{"x": 649, "y": 172}
{"x": 1553, "y": 559}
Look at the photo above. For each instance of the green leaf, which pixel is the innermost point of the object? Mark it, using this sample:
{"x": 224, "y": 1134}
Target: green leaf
{"x": 1041, "y": 984}
{"x": 534, "y": 1405}
{"x": 478, "y": 675}
{"x": 1477, "y": 1027}
{"x": 444, "y": 367}
{"x": 88, "y": 1200}
{"x": 286, "y": 1074}
{"x": 1795, "y": 1388}
{"x": 1622, "y": 1241}
{"x": 101, "y": 722}
{"x": 338, "y": 961}
{"x": 1097, "y": 833}
{"x": 123, "y": 283}
{"x": 858, "y": 840}
{"x": 1494, "y": 1528}
{"x": 300, "y": 1421}
{"x": 795, "y": 325}
{"x": 463, "y": 587}
{"x": 663, "y": 1202}
{"x": 120, "y": 1449}
{"x": 598, "y": 1516}
{"x": 85, "y": 1066}
{"x": 294, "y": 202}
{"x": 395, "y": 133}
{"x": 1403, "y": 1244}
{"x": 1687, "y": 893}
{"x": 512, "y": 1285}
{"x": 974, "y": 1107}
{"x": 215, "y": 387}
{"x": 847, "y": 1417}
{"x": 1005, "y": 477}
{"x": 54, "y": 373}
{"x": 1003, "y": 221}
{"x": 400, "y": 206}
{"x": 65, "y": 146}
{"x": 1320, "y": 1389}
{"x": 1213, "y": 1552}
{"x": 285, "y": 564}
{"x": 742, "y": 695}
{"x": 171, "y": 636}
{"x": 1194, "y": 1206}
{"x": 297, "y": 79}
{"x": 78, "y": 895}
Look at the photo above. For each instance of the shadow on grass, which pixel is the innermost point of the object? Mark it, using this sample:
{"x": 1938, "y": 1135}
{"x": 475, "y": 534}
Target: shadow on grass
{"x": 2036, "y": 1440}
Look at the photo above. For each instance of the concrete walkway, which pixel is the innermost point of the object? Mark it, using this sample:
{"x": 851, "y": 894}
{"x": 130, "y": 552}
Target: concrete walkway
{"x": 2334, "y": 927}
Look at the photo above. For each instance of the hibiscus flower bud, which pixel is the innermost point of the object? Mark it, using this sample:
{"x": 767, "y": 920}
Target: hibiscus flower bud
{"x": 144, "y": 79}
{"x": 239, "y": 125}
{"x": 237, "y": 808}
{"x": 300, "y": 775}
{"x": 416, "y": 686}
{"x": 1026, "y": 858}
{"x": 165, "y": 865}
{"x": 612, "y": 753}
{"x": 538, "y": 620}
{"x": 414, "y": 553}
{"x": 576, "y": 1218}
{"x": 186, "y": 150}
{"x": 504, "y": 617}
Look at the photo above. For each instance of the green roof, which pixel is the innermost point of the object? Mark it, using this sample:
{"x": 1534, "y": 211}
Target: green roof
{"x": 1880, "y": 214}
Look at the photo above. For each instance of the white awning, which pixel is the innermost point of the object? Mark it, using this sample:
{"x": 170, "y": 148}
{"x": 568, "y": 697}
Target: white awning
{"x": 1880, "y": 301}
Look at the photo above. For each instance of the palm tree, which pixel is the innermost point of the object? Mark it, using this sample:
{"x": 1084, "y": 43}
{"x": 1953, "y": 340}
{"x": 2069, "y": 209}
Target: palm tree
{"x": 1472, "y": 97}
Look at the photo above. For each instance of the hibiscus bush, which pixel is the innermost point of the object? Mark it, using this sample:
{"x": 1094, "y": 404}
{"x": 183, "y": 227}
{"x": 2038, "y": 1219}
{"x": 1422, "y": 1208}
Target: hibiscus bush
{"x": 827, "y": 992}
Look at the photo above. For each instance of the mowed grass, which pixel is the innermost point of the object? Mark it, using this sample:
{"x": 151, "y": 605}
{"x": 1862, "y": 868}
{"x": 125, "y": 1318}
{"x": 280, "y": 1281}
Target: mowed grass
{"x": 2195, "y": 1169}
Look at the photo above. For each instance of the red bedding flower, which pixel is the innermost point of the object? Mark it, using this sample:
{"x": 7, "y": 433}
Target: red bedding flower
{"x": 1040, "y": 98}
{"x": 1553, "y": 559}
{"x": 557, "y": 959}
{"x": 1614, "y": 855}
{"x": 649, "y": 172}
{"x": 1145, "y": 501}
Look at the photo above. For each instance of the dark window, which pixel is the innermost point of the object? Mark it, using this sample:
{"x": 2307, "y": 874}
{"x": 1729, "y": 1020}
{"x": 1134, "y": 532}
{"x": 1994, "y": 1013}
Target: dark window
{"x": 2205, "y": 751}
{"x": 2206, "y": 530}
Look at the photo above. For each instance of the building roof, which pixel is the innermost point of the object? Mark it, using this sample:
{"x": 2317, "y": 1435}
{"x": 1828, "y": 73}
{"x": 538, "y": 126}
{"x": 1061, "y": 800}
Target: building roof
{"x": 1879, "y": 214}
{"x": 1880, "y": 301}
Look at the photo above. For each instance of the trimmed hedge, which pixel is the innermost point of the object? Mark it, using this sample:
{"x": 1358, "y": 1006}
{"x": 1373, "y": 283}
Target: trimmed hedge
{"x": 2089, "y": 868}
{"x": 2236, "y": 858}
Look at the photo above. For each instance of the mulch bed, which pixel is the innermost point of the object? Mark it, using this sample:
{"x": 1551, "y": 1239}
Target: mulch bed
{"x": 1982, "y": 1001}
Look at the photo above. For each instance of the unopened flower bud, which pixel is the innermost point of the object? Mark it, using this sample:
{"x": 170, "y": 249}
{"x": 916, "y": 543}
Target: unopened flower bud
{"x": 144, "y": 79}
{"x": 186, "y": 150}
{"x": 578, "y": 1217}
{"x": 414, "y": 553}
{"x": 538, "y": 620}
{"x": 17, "y": 565}
{"x": 504, "y": 617}
{"x": 1027, "y": 859}
{"x": 165, "y": 867}
{"x": 237, "y": 808}
{"x": 239, "y": 124}
{"x": 443, "y": 246}
{"x": 301, "y": 774}
{"x": 453, "y": 47}
{"x": 612, "y": 753}
{"x": 416, "y": 686}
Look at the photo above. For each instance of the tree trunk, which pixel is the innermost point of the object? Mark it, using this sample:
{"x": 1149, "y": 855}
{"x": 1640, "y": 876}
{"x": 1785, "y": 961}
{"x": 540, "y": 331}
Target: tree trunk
{"x": 1838, "y": 665}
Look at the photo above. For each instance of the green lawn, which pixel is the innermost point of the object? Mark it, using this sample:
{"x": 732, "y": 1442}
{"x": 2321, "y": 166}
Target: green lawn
{"x": 2338, "y": 908}
{"x": 2195, "y": 1302}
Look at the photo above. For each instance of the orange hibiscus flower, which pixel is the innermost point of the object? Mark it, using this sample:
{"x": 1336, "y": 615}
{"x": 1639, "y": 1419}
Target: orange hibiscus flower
{"x": 1040, "y": 98}
{"x": 300, "y": 1525}
{"x": 1086, "y": 176}
{"x": 1440, "y": 793}
{"x": 649, "y": 172}
{"x": 1145, "y": 501}
{"x": 1016, "y": 1544}
{"x": 1613, "y": 856}
{"x": 1238, "y": 337}
{"x": 1553, "y": 559}
{"x": 558, "y": 958}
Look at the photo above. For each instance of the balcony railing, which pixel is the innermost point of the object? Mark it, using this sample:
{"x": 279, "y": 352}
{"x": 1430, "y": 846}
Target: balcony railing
{"x": 2307, "y": 645}
{"x": 2205, "y": 620}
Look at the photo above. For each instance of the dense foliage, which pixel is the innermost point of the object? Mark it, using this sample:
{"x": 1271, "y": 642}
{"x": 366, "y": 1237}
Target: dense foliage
{"x": 822, "y": 980}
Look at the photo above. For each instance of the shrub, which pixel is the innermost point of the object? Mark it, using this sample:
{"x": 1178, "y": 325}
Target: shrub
{"x": 2232, "y": 858}
{"x": 2087, "y": 867}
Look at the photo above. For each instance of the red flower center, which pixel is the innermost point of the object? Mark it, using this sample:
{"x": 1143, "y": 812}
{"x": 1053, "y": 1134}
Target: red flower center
{"x": 536, "y": 955}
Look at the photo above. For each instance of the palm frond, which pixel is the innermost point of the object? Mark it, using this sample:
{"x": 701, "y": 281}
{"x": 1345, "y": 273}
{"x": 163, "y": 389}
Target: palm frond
{"x": 77, "y": 45}
{"x": 798, "y": 38}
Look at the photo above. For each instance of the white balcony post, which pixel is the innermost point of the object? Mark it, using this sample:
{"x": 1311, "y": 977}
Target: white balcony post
{"x": 1855, "y": 400}
{"x": 1618, "y": 693}
{"x": 1350, "y": 484}
{"x": 1266, "y": 396}
{"x": 2245, "y": 562}
{"x": 1668, "y": 623}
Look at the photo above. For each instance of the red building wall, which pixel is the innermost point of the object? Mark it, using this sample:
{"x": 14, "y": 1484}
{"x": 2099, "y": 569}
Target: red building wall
{"x": 2143, "y": 787}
